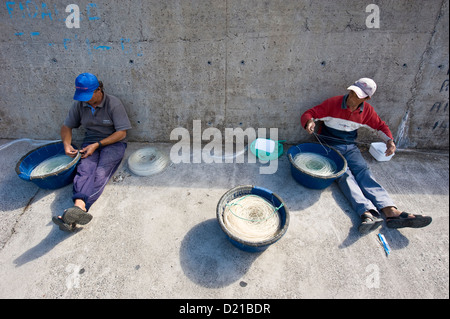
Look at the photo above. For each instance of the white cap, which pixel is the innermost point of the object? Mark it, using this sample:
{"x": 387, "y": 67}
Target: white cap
{"x": 364, "y": 87}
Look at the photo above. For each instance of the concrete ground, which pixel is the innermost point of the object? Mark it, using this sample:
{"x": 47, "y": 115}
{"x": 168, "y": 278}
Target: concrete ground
{"x": 158, "y": 237}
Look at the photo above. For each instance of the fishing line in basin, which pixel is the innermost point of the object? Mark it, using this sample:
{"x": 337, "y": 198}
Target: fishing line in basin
{"x": 51, "y": 165}
{"x": 252, "y": 218}
{"x": 314, "y": 163}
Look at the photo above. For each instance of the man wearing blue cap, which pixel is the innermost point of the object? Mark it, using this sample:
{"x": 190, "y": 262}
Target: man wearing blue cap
{"x": 106, "y": 123}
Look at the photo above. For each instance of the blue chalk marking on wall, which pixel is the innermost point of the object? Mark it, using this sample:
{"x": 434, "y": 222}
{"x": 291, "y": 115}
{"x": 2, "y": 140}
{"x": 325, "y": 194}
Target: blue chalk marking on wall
{"x": 88, "y": 10}
{"x": 9, "y": 5}
{"x": 36, "y": 9}
{"x": 56, "y": 12}
{"x": 122, "y": 41}
{"x": 102, "y": 47}
{"x": 65, "y": 43}
{"x": 32, "y": 34}
{"x": 88, "y": 47}
{"x": 21, "y": 9}
{"x": 48, "y": 13}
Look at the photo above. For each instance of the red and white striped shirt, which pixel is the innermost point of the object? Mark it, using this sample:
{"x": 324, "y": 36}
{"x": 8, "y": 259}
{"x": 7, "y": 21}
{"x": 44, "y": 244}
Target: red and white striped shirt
{"x": 341, "y": 124}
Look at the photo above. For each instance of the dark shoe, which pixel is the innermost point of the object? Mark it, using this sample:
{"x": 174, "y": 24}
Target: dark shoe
{"x": 76, "y": 215}
{"x": 369, "y": 223}
{"x": 62, "y": 225}
{"x": 408, "y": 220}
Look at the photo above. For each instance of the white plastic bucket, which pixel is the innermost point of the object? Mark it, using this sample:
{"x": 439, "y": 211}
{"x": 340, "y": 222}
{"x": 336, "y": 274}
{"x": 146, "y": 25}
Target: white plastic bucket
{"x": 378, "y": 151}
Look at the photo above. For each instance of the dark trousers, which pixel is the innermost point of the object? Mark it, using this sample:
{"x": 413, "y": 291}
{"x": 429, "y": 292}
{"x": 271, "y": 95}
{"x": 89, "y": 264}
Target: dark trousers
{"x": 94, "y": 172}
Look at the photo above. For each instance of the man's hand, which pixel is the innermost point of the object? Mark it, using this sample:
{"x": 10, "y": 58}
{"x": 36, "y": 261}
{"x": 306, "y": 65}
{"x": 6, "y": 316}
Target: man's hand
{"x": 70, "y": 151}
{"x": 310, "y": 125}
{"x": 89, "y": 150}
{"x": 390, "y": 148}
{"x": 66, "y": 137}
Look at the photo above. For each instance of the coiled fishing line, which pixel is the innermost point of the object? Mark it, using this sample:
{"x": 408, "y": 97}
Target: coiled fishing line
{"x": 252, "y": 218}
{"x": 51, "y": 165}
{"x": 147, "y": 161}
{"x": 315, "y": 164}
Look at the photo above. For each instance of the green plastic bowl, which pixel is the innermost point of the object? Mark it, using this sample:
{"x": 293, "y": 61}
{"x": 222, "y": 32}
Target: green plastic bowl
{"x": 267, "y": 156}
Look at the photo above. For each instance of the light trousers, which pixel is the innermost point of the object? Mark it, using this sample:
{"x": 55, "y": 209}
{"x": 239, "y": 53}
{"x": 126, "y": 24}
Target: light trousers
{"x": 358, "y": 184}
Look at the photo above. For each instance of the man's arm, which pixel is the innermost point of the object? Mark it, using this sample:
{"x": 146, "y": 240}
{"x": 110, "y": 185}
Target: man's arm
{"x": 66, "y": 137}
{"x": 384, "y": 132}
{"x": 309, "y": 117}
{"x": 390, "y": 147}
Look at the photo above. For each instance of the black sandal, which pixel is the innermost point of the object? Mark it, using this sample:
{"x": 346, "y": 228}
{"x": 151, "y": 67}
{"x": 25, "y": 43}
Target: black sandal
{"x": 369, "y": 223}
{"x": 62, "y": 225}
{"x": 76, "y": 215}
{"x": 408, "y": 220}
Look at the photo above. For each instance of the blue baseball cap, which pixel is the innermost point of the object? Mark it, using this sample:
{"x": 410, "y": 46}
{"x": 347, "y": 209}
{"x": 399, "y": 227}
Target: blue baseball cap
{"x": 85, "y": 84}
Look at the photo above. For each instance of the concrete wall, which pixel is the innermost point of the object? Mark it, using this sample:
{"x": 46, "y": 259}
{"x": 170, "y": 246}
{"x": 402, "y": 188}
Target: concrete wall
{"x": 229, "y": 63}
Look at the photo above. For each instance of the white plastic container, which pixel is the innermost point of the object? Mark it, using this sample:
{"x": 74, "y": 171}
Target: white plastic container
{"x": 378, "y": 151}
{"x": 265, "y": 145}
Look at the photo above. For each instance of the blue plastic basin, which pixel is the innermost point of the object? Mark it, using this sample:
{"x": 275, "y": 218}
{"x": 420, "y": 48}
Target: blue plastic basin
{"x": 276, "y": 201}
{"x": 54, "y": 180}
{"x": 308, "y": 179}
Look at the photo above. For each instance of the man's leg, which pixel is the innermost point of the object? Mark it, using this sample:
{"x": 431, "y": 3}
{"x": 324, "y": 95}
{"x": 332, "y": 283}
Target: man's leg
{"x": 82, "y": 185}
{"x": 375, "y": 193}
{"x": 351, "y": 190}
{"x": 92, "y": 175}
{"x": 83, "y": 182}
{"x": 370, "y": 188}
{"x": 370, "y": 217}
{"x": 349, "y": 183}
{"x": 110, "y": 157}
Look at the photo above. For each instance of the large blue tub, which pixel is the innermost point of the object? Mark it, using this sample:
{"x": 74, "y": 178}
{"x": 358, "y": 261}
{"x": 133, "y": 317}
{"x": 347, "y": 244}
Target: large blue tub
{"x": 276, "y": 201}
{"x": 309, "y": 179}
{"x": 54, "y": 180}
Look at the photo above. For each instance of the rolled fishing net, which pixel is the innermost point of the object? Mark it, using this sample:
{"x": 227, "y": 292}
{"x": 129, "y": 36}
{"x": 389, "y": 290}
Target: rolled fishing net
{"x": 252, "y": 218}
{"x": 315, "y": 164}
{"x": 147, "y": 161}
{"x": 51, "y": 165}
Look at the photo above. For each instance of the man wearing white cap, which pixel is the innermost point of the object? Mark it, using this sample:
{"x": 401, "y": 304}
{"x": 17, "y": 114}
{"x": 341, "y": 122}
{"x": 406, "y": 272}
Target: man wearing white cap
{"x": 342, "y": 116}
